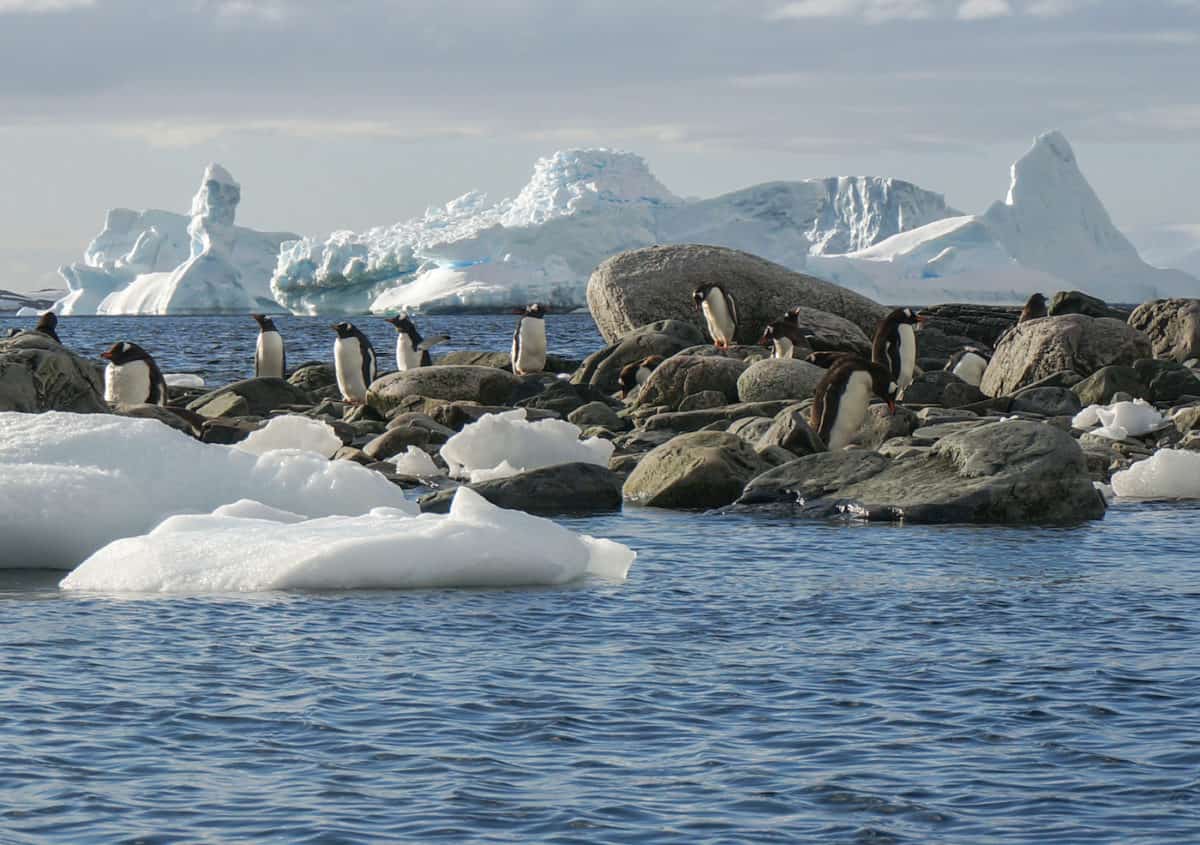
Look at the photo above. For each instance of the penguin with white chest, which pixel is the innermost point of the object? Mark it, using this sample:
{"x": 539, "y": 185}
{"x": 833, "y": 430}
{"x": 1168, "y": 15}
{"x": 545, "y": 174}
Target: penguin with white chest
{"x": 895, "y": 345}
{"x": 843, "y": 396}
{"x": 969, "y": 364}
{"x": 634, "y": 375}
{"x": 720, "y": 313}
{"x": 412, "y": 350}
{"x": 354, "y": 362}
{"x": 132, "y": 377}
{"x": 529, "y": 341}
{"x": 270, "y": 357}
{"x": 784, "y": 336}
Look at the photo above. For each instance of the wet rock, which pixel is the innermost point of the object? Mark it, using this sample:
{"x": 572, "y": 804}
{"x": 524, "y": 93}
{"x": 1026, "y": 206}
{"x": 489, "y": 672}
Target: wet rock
{"x": 704, "y": 469}
{"x": 38, "y": 374}
{"x": 812, "y": 477}
{"x": 778, "y": 378}
{"x": 561, "y": 489}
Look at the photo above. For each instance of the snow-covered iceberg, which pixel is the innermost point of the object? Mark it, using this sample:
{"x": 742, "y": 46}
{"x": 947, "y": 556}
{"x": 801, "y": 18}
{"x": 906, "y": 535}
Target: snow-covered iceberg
{"x": 73, "y": 482}
{"x": 159, "y": 262}
{"x": 1051, "y": 232}
{"x": 248, "y": 547}
{"x": 579, "y": 208}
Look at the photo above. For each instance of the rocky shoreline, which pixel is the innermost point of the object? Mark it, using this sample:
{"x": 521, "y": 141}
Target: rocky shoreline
{"x": 729, "y": 428}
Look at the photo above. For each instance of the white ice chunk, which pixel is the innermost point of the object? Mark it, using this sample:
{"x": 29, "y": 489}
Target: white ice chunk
{"x": 416, "y": 462}
{"x": 70, "y": 483}
{"x": 476, "y": 545}
{"x": 508, "y": 437}
{"x": 292, "y": 431}
{"x": 1121, "y": 419}
{"x": 1168, "y": 474}
{"x": 183, "y": 380}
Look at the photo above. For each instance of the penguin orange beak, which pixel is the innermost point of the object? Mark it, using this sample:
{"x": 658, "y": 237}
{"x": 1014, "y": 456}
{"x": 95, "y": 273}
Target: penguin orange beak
{"x": 891, "y": 407}
{"x": 764, "y": 341}
{"x": 107, "y": 354}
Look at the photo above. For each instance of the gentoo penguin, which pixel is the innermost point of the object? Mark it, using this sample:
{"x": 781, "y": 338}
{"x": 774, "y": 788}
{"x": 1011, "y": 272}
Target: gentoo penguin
{"x": 634, "y": 375}
{"x": 895, "y": 345}
{"x": 411, "y": 350}
{"x": 132, "y": 377}
{"x": 826, "y": 358}
{"x": 270, "y": 358}
{"x": 968, "y": 364}
{"x": 529, "y": 340}
{"x": 47, "y": 325}
{"x": 842, "y": 396}
{"x": 1035, "y": 307}
{"x": 354, "y": 361}
{"x": 720, "y": 313}
{"x": 784, "y": 335}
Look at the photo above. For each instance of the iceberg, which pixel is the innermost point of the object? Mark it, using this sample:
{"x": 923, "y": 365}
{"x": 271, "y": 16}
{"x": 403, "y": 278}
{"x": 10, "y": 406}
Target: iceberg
{"x": 249, "y": 547}
{"x": 75, "y": 482}
{"x": 159, "y": 262}
{"x": 505, "y": 444}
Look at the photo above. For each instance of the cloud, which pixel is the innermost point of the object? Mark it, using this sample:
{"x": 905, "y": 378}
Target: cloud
{"x": 253, "y": 11}
{"x": 41, "y": 7}
{"x": 872, "y": 11}
{"x": 1055, "y": 8}
{"x": 185, "y": 134}
{"x": 974, "y": 10}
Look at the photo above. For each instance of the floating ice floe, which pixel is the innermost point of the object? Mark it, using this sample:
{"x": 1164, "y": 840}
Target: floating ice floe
{"x": 183, "y": 380}
{"x": 1168, "y": 474}
{"x": 247, "y": 547}
{"x": 481, "y": 450}
{"x": 73, "y": 482}
{"x": 416, "y": 462}
{"x": 1120, "y": 420}
{"x": 292, "y": 431}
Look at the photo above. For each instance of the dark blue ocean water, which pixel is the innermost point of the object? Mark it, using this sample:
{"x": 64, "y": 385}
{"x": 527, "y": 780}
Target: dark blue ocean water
{"x": 755, "y": 680}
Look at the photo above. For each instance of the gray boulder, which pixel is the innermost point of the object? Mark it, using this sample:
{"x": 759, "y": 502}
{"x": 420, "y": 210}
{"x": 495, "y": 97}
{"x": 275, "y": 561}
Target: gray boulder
{"x": 1173, "y": 326}
{"x": 812, "y": 477}
{"x": 1100, "y": 387}
{"x": 881, "y": 425}
{"x": 790, "y": 430}
{"x": 260, "y": 396}
{"x": 1078, "y": 302}
{"x": 561, "y": 489}
{"x": 396, "y": 440}
{"x": 1039, "y": 348}
{"x": 39, "y": 374}
{"x": 703, "y": 469}
{"x": 681, "y": 376}
{"x": 485, "y": 385}
{"x": 939, "y": 387}
{"x": 313, "y": 376}
{"x": 597, "y": 413}
{"x": 778, "y": 378}
{"x": 652, "y": 283}
{"x": 665, "y": 337}
{"x": 1047, "y": 401}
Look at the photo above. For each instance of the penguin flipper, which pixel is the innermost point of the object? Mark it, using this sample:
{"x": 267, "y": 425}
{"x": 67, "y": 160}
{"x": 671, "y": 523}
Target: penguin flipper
{"x": 732, "y": 313}
{"x": 432, "y": 342}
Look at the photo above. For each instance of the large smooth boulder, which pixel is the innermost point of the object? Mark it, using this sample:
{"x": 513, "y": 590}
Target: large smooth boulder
{"x": 483, "y": 385}
{"x": 655, "y": 283}
{"x": 603, "y": 367}
{"x": 1078, "y": 302}
{"x": 679, "y": 377}
{"x": 778, "y": 378}
{"x": 703, "y": 469}
{"x": 560, "y": 489}
{"x": 790, "y": 430}
{"x": 1100, "y": 386}
{"x": 1173, "y": 326}
{"x": 501, "y": 360}
{"x": 812, "y": 477}
{"x": 1036, "y": 349}
{"x": 259, "y": 396}
{"x": 38, "y": 374}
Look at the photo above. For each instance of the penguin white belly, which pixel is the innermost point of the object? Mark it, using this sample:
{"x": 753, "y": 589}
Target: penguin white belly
{"x": 716, "y": 314}
{"x": 127, "y": 384}
{"x": 908, "y": 355}
{"x": 851, "y": 410}
{"x": 970, "y": 368}
{"x": 783, "y": 347}
{"x": 268, "y": 355}
{"x": 529, "y": 355}
{"x": 407, "y": 355}
{"x": 347, "y": 360}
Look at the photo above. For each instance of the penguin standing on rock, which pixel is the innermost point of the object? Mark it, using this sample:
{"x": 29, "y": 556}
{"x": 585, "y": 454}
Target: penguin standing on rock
{"x": 1035, "y": 307}
{"x": 132, "y": 377}
{"x": 354, "y": 362}
{"x": 784, "y": 336}
{"x": 634, "y": 375}
{"x": 720, "y": 313}
{"x": 843, "y": 395}
{"x": 529, "y": 340}
{"x": 895, "y": 345}
{"x": 411, "y": 350}
{"x": 270, "y": 358}
{"x": 968, "y": 364}
{"x": 47, "y": 324}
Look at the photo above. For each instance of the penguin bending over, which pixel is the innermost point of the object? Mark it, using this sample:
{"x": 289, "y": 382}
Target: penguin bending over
{"x": 968, "y": 364}
{"x": 1035, "y": 307}
{"x": 529, "y": 340}
{"x": 354, "y": 362}
{"x": 843, "y": 395}
{"x": 47, "y": 324}
{"x": 270, "y": 358}
{"x": 720, "y": 313}
{"x": 895, "y": 345}
{"x": 784, "y": 336}
{"x": 634, "y": 375}
{"x": 826, "y": 359}
{"x": 411, "y": 350}
{"x": 132, "y": 377}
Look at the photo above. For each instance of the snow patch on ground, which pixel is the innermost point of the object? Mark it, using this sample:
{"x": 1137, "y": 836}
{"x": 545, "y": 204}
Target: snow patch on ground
{"x": 505, "y": 444}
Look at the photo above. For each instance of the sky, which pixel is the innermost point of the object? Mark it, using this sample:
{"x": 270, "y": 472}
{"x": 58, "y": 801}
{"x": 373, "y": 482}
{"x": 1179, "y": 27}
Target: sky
{"x": 357, "y": 113}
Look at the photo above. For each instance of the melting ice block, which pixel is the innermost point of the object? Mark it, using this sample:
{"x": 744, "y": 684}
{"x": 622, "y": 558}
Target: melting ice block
{"x": 292, "y": 431}
{"x": 1120, "y": 419}
{"x": 1168, "y": 474}
{"x": 481, "y": 450}
{"x": 248, "y": 548}
{"x": 73, "y": 482}
{"x": 416, "y": 462}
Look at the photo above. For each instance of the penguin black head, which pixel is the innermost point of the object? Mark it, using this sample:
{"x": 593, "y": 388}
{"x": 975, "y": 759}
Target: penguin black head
{"x": 533, "y": 309}
{"x": 786, "y": 327}
{"x": 344, "y": 329}
{"x": 701, "y": 293}
{"x": 47, "y": 323}
{"x": 628, "y": 377}
{"x": 405, "y": 326}
{"x": 905, "y": 315}
{"x": 264, "y": 322}
{"x": 124, "y": 352}
{"x": 768, "y": 336}
{"x": 1035, "y": 307}
{"x": 883, "y": 384}
{"x": 793, "y": 315}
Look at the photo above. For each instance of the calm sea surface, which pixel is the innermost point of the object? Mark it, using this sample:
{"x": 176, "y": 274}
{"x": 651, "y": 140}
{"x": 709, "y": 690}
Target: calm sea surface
{"x": 755, "y": 680}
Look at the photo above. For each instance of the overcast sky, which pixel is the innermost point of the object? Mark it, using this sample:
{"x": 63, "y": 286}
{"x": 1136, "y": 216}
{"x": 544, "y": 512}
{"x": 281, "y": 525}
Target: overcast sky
{"x": 356, "y": 113}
